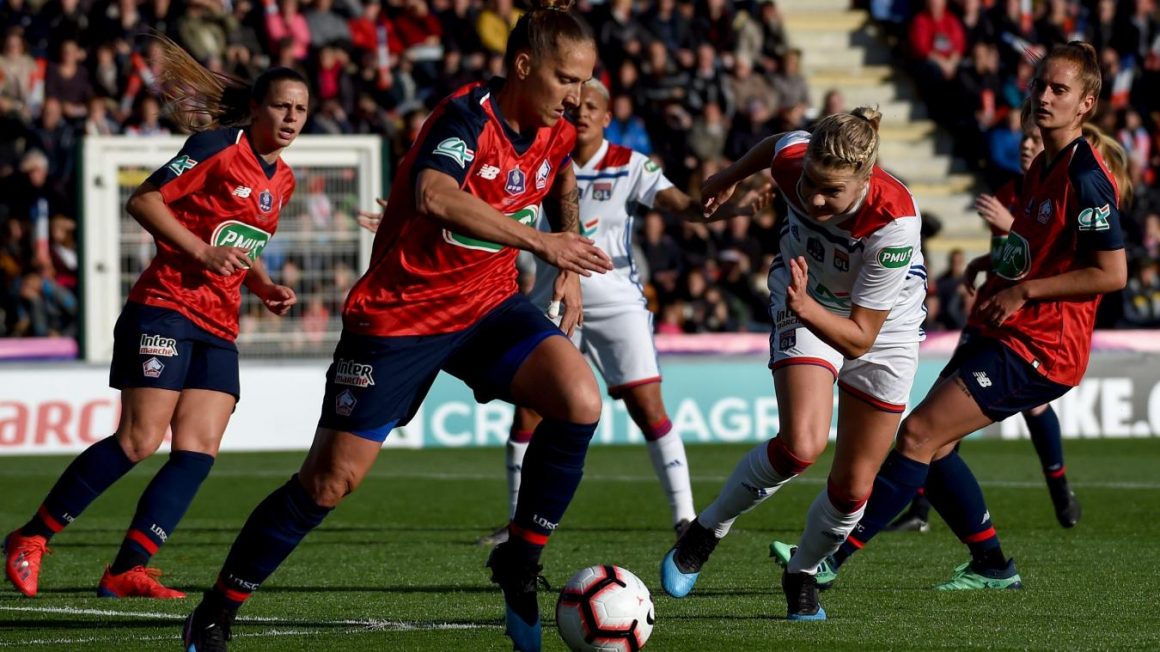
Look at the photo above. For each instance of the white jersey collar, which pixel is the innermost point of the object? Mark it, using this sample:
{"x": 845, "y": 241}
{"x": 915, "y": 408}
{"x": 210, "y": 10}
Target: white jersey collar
{"x": 595, "y": 160}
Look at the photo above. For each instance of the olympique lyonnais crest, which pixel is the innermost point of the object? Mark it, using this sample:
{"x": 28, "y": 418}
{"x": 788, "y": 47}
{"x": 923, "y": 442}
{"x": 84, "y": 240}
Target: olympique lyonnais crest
{"x": 515, "y": 182}
{"x": 841, "y": 261}
{"x": 266, "y": 201}
{"x": 602, "y": 190}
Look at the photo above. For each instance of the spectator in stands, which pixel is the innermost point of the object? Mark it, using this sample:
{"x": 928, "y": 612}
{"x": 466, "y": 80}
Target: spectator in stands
{"x": 667, "y": 25}
{"x": 98, "y": 122}
{"x": 953, "y": 301}
{"x": 1142, "y": 295}
{"x": 621, "y": 36}
{"x": 789, "y": 84}
{"x": 421, "y": 34}
{"x": 67, "y": 81}
{"x": 1057, "y": 24}
{"x": 146, "y": 119}
{"x": 662, "y": 255}
{"x": 662, "y": 82}
{"x": 494, "y": 24}
{"x": 17, "y": 70}
{"x": 774, "y": 43}
{"x": 288, "y": 28}
{"x": 1137, "y": 31}
{"x": 1101, "y": 29}
{"x": 203, "y": 28}
{"x": 713, "y": 25}
{"x": 708, "y": 83}
{"x": 749, "y": 129}
{"x": 44, "y": 308}
{"x": 1003, "y": 143}
{"x": 748, "y": 85}
{"x": 937, "y": 45}
{"x": 977, "y": 25}
{"x": 707, "y": 135}
{"x": 626, "y": 128}
{"x": 459, "y": 34}
{"x": 63, "y": 252}
{"x": 326, "y": 26}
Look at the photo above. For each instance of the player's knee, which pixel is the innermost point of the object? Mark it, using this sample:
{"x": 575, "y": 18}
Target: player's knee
{"x": 330, "y": 487}
{"x": 139, "y": 441}
{"x": 915, "y": 438}
{"x": 848, "y": 491}
{"x": 582, "y": 402}
{"x": 805, "y": 444}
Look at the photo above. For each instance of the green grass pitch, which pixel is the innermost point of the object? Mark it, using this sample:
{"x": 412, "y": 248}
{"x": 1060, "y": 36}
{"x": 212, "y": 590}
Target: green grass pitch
{"x": 396, "y": 566}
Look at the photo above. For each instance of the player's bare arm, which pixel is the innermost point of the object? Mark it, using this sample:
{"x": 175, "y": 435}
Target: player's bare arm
{"x": 278, "y": 299}
{"x": 1107, "y": 272}
{"x": 149, "y": 209}
{"x": 438, "y": 197}
{"x": 562, "y": 206}
{"x": 852, "y": 336}
{"x": 980, "y": 264}
{"x": 672, "y": 200}
{"x": 717, "y": 189}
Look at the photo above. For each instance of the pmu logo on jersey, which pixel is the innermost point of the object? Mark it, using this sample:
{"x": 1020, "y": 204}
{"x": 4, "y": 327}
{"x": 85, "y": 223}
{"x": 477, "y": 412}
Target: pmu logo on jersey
{"x": 344, "y": 403}
{"x": 542, "y": 175}
{"x": 895, "y": 257}
{"x": 165, "y": 347}
{"x": 456, "y": 150}
{"x": 265, "y": 201}
{"x": 233, "y": 233}
{"x": 152, "y": 368}
{"x": 841, "y": 261}
{"x": 180, "y": 164}
{"x": 815, "y": 249}
{"x": 355, "y": 374}
{"x": 602, "y": 190}
{"x": 1095, "y": 219}
{"x": 1045, "y": 212}
{"x": 515, "y": 181}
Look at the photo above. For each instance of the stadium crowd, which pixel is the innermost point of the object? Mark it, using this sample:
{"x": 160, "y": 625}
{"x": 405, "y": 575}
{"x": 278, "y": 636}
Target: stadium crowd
{"x": 693, "y": 83}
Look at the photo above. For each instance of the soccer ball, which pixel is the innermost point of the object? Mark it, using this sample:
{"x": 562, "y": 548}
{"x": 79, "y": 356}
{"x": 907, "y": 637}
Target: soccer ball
{"x": 605, "y": 609}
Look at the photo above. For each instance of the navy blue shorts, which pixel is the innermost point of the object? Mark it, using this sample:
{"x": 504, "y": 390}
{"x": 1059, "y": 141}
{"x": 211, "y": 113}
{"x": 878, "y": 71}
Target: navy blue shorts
{"x": 1001, "y": 382}
{"x": 161, "y": 348}
{"x": 377, "y": 383}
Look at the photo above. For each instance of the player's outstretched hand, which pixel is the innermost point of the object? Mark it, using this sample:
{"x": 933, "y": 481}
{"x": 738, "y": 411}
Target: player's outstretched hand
{"x": 797, "y": 294}
{"x": 226, "y": 260}
{"x": 371, "y": 221}
{"x": 994, "y": 212}
{"x": 715, "y": 192}
{"x": 572, "y": 252}
{"x": 566, "y": 292}
{"x": 278, "y": 298}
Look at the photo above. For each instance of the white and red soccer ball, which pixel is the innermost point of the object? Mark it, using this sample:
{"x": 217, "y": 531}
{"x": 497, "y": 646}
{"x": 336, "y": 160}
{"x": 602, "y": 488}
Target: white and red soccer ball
{"x": 605, "y": 609}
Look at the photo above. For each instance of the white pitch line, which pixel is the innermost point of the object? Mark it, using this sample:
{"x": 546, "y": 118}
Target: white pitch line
{"x": 137, "y": 639}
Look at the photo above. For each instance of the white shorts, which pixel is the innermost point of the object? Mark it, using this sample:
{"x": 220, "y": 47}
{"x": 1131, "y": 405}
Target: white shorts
{"x": 882, "y": 377}
{"x": 618, "y": 341}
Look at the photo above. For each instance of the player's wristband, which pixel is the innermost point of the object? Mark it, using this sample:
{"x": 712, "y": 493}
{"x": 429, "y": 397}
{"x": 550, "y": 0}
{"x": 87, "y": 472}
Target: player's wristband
{"x": 554, "y": 310}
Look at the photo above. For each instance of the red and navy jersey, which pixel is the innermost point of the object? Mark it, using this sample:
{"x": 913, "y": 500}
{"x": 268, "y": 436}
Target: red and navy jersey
{"x": 1066, "y": 211}
{"x": 424, "y": 279}
{"x": 219, "y": 188}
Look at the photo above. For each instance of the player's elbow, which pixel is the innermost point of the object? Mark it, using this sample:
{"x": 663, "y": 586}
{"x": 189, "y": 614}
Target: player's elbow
{"x": 855, "y": 350}
{"x": 1117, "y": 276}
{"x": 430, "y": 200}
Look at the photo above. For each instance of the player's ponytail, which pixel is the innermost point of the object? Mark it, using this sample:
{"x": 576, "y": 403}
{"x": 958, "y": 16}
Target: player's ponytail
{"x": 542, "y": 30}
{"x": 1115, "y": 158}
{"x": 847, "y": 140}
{"x": 199, "y": 99}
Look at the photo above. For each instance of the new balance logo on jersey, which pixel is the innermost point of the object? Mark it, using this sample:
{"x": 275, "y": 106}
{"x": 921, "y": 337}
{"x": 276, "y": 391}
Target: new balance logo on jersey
{"x": 152, "y": 368}
{"x": 489, "y": 172}
{"x": 165, "y": 347}
{"x": 181, "y": 164}
{"x": 1095, "y": 219}
{"x": 354, "y": 374}
{"x": 456, "y": 150}
{"x": 243, "y": 192}
{"x": 982, "y": 379}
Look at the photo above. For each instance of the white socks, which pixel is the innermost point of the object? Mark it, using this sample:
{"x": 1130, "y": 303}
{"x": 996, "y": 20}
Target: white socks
{"x": 752, "y": 481}
{"x": 826, "y": 529}
{"x": 668, "y": 459}
{"x": 514, "y": 462}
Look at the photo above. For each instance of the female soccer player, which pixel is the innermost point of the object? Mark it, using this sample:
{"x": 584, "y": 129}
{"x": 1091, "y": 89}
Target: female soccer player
{"x": 846, "y": 300}
{"x": 616, "y": 331}
{"x": 1033, "y": 318}
{"x": 999, "y": 211}
{"x": 174, "y": 357}
{"x": 441, "y": 293}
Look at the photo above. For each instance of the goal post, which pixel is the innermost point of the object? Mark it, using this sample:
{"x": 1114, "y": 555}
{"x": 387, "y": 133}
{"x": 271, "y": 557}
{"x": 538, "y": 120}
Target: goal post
{"x": 318, "y": 249}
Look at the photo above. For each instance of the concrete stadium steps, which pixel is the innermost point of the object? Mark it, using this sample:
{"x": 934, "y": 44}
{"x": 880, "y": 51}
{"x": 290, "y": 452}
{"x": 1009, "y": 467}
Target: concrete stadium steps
{"x": 840, "y": 50}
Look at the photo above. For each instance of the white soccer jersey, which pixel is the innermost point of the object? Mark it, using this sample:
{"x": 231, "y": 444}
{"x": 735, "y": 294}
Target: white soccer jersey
{"x": 611, "y": 186}
{"x": 871, "y": 258}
